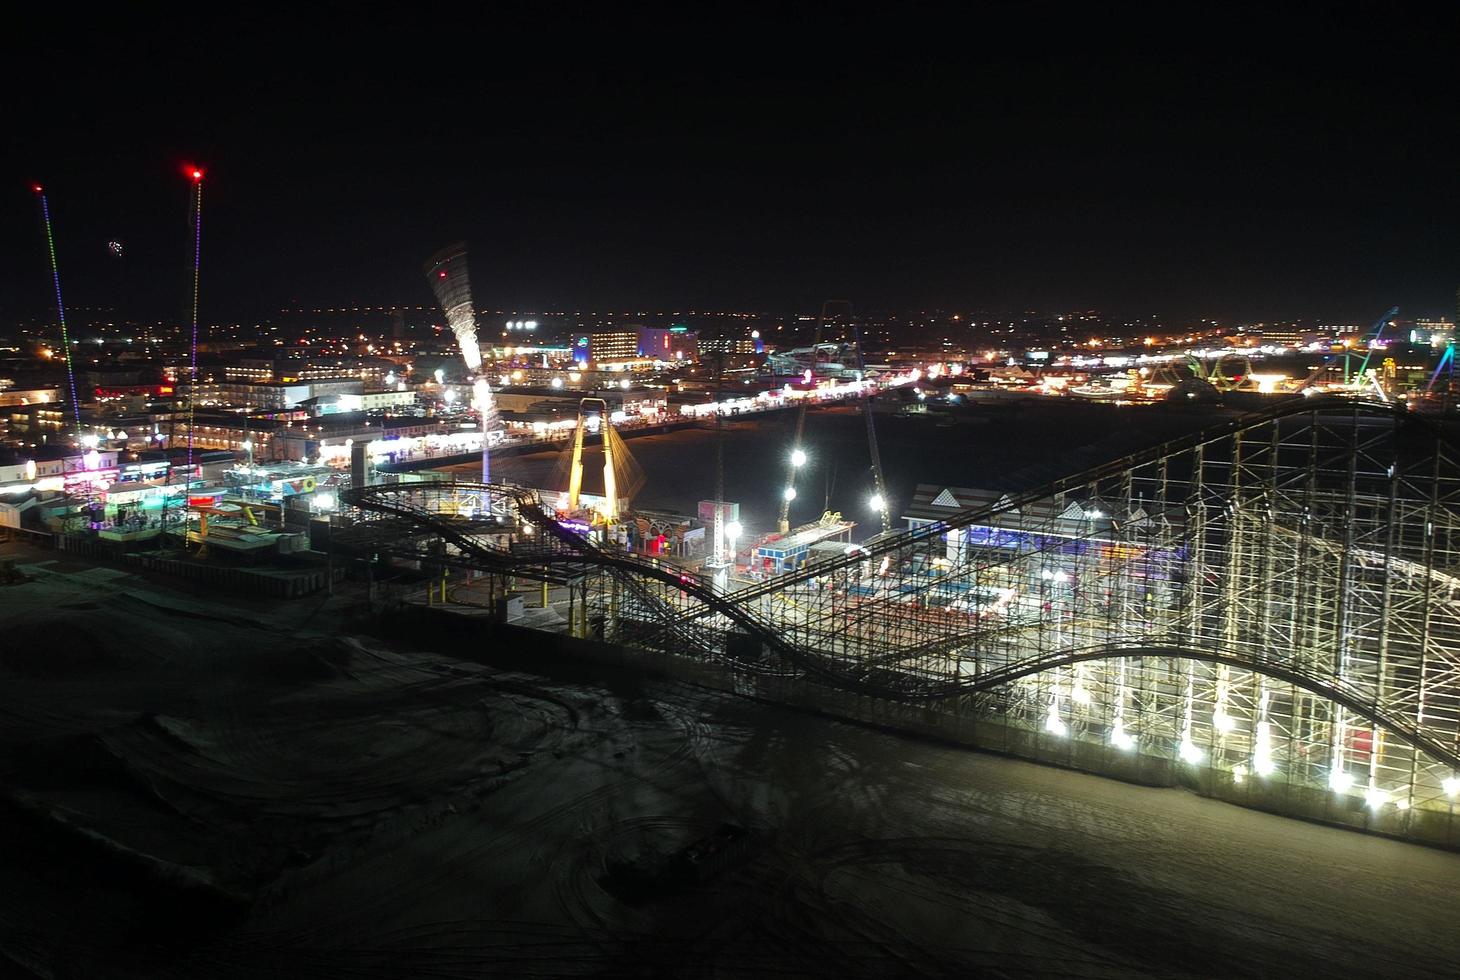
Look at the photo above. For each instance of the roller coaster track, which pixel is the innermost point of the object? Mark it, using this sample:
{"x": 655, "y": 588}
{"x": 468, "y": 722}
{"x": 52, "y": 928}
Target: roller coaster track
{"x": 1348, "y": 696}
{"x": 692, "y": 630}
{"x": 1013, "y": 502}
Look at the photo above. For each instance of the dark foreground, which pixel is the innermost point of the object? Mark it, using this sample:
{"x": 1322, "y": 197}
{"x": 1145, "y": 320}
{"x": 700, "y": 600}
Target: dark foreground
{"x": 197, "y": 787}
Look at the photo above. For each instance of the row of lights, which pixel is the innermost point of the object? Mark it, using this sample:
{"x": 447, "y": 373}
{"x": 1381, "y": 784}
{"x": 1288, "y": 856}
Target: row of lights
{"x": 1339, "y": 779}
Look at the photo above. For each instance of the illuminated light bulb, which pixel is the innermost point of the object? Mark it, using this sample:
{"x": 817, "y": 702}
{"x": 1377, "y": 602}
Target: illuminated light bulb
{"x": 1079, "y": 695}
{"x": 798, "y": 458}
{"x": 1451, "y": 786}
{"x": 1052, "y": 722}
{"x": 790, "y": 493}
{"x": 1401, "y": 804}
{"x": 1375, "y": 797}
{"x": 1189, "y": 752}
{"x": 1340, "y": 780}
{"x": 877, "y": 503}
{"x": 1223, "y": 722}
{"x": 1239, "y": 773}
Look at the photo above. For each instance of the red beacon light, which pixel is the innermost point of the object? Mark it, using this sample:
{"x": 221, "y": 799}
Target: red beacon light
{"x": 37, "y": 188}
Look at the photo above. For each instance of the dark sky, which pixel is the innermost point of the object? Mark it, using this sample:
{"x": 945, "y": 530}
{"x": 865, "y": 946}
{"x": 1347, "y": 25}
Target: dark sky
{"x": 1218, "y": 160}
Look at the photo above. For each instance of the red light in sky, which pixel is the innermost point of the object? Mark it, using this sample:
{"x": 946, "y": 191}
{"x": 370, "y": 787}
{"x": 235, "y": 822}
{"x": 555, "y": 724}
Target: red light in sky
{"x": 192, "y": 171}
{"x": 37, "y": 188}
{"x": 442, "y": 273}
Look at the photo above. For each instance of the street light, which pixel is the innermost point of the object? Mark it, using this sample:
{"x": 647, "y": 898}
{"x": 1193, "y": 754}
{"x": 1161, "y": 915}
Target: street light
{"x": 790, "y": 493}
{"x": 877, "y": 503}
{"x": 798, "y": 458}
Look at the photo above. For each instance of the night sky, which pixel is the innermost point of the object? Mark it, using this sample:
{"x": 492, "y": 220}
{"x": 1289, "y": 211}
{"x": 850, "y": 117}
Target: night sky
{"x": 1217, "y": 160}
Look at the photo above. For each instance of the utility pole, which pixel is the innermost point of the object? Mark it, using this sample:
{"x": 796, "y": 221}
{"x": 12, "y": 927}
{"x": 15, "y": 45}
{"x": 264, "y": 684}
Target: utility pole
{"x": 798, "y": 455}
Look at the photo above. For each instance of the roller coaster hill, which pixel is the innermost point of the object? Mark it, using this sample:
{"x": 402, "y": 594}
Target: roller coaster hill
{"x": 1267, "y": 612}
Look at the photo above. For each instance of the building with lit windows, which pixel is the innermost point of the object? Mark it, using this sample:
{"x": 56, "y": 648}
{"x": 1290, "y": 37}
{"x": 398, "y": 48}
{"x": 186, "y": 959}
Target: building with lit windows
{"x": 669, "y": 343}
{"x": 270, "y": 395}
{"x": 617, "y": 345}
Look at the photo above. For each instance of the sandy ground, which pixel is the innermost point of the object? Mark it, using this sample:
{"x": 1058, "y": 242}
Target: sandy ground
{"x": 205, "y": 787}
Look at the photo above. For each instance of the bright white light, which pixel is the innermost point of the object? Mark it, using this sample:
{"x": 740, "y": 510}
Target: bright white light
{"x": 1340, "y": 780}
{"x": 450, "y": 395}
{"x": 1052, "y": 722}
{"x": 798, "y": 458}
{"x": 624, "y": 384}
{"x": 1223, "y": 722}
{"x": 732, "y": 530}
{"x": 1239, "y": 773}
{"x": 1120, "y": 738}
{"x": 557, "y": 382}
{"x": 246, "y": 445}
{"x": 1375, "y": 797}
{"x": 877, "y": 503}
{"x": 89, "y": 440}
{"x": 790, "y": 493}
{"x": 1189, "y": 752}
{"x": 390, "y": 377}
{"x": 1451, "y": 786}
{"x": 324, "y": 500}
{"x": 1079, "y": 695}
{"x": 1401, "y": 804}
{"x": 1262, "y": 757}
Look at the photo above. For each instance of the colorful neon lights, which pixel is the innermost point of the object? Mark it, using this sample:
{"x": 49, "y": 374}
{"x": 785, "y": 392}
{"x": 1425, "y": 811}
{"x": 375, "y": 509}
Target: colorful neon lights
{"x": 197, "y": 267}
{"x": 60, "y": 307}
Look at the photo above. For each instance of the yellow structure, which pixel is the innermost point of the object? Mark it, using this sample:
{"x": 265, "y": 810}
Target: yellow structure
{"x": 575, "y": 474}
